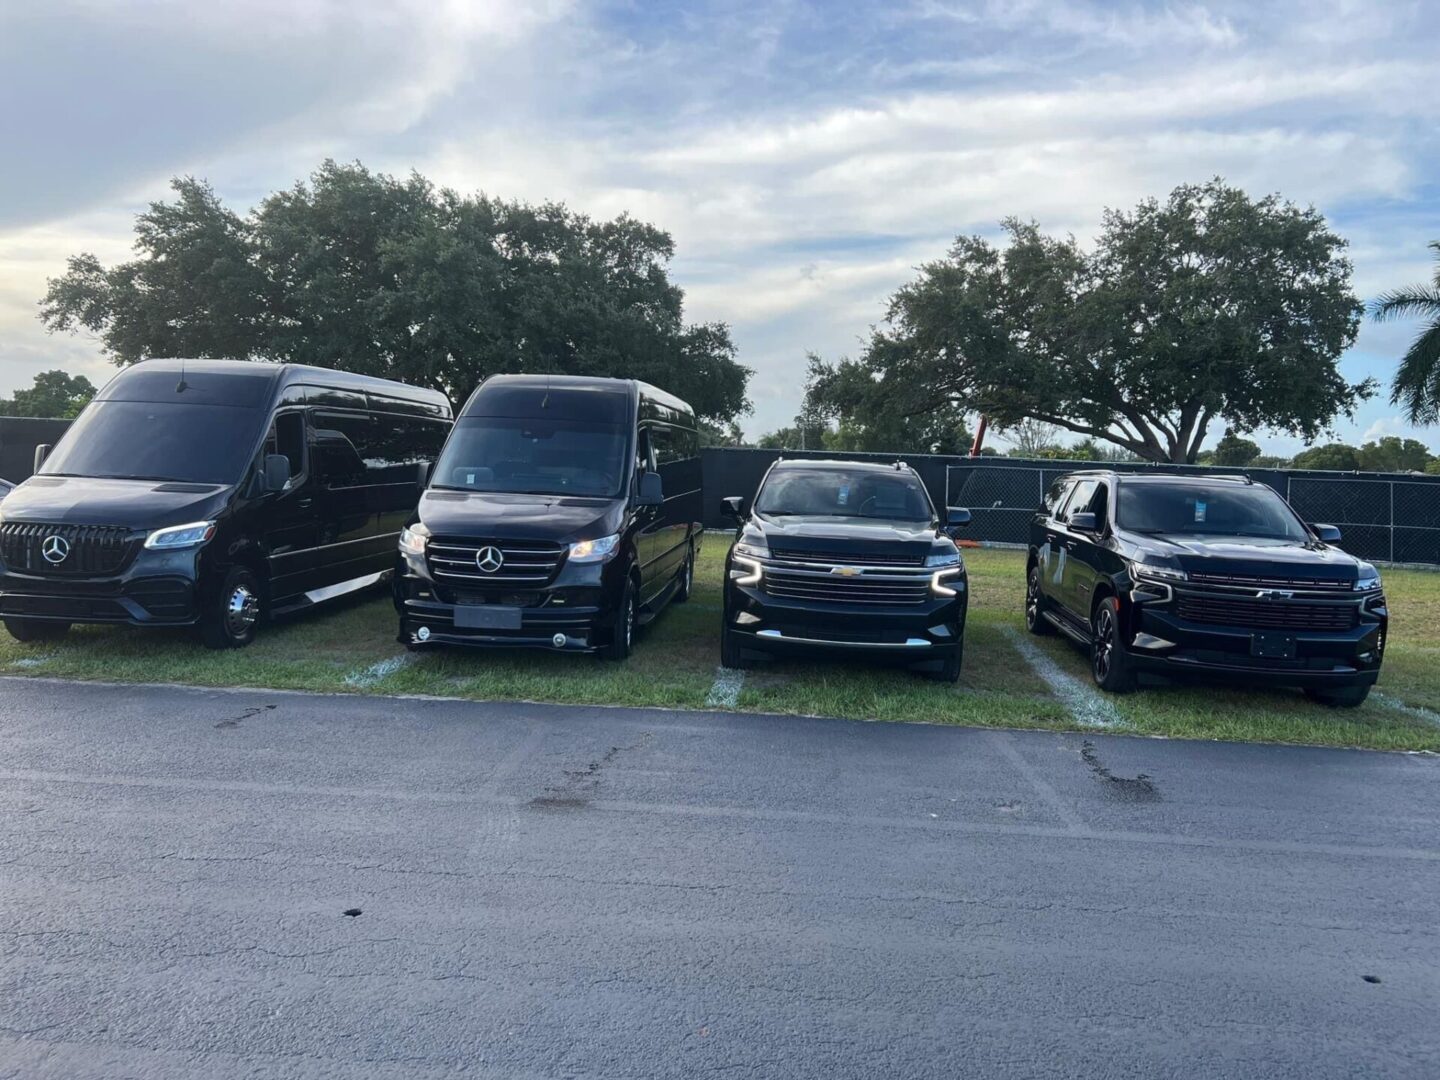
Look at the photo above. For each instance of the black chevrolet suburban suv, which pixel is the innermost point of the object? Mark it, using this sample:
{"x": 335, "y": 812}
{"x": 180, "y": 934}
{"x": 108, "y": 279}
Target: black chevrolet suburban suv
{"x": 1202, "y": 575}
{"x": 215, "y": 493}
{"x": 564, "y": 513}
{"x": 845, "y": 556}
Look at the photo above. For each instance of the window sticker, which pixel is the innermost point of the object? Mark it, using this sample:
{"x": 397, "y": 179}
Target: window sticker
{"x": 1199, "y": 511}
{"x": 844, "y": 496}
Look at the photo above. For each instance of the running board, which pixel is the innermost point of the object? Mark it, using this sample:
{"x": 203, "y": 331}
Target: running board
{"x": 330, "y": 592}
{"x": 1067, "y": 628}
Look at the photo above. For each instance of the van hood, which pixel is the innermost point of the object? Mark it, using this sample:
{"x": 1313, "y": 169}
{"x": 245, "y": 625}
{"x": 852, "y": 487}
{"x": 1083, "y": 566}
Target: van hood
{"x": 485, "y": 515}
{"x": 1247, "y": 556}
{"x": 133, "y": 504}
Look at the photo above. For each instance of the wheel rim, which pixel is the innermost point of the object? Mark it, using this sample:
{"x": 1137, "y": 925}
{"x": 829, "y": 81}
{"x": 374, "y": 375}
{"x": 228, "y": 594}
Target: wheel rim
{"x": 1032, "y": 597}
{"x": 1104, "y": 642}
{"x": 242, "y": 611}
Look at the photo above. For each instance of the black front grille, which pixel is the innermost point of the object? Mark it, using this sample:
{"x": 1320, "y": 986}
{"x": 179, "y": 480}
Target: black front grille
{"x": 822, "y": 586}
{"x": 89, "y": 550}
{"x": 1265, "y": 614}
{"x": 526, "y": 564}
{"x": 1299, "y": 584}
{"x": 831, "y": 558}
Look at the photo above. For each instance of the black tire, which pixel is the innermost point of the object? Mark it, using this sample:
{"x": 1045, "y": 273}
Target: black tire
{"x": 687, "y": 577}
{"x": 1036, "y": 605}
{"x": 22, "y": 629}
{"x": 232, "y": 614}
{"x": 622, "y": 624}
{"x": 947, "y": 670}
{"x": 731, "y": 654}
{"x": 1109, "y": 662}
{"x": 1342, "y": 697}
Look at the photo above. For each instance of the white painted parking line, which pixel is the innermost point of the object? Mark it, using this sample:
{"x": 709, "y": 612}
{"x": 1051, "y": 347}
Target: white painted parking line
{"x": 725, "y": 693}
{"x": 371, "y": 675}
{"x": 1087, "y": 705}
{"x": 1417, "y": 711}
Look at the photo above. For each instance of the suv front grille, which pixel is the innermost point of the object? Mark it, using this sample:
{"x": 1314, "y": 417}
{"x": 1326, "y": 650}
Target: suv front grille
{"x": 824, "y": 586}
{"x": 1265, "y": 614}
{"x": 525, "y": 564}
{"x": 1233, "y": 581}
{"x": 832, "y": 558}
{"x": 91, "y": 550}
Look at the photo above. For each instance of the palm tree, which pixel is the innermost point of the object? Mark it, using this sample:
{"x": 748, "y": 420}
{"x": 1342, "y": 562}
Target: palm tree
{"x": 1417, "y": 383}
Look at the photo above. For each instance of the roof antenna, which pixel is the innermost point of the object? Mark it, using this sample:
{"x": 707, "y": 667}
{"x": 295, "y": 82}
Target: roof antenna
{"x": 546, "y": 399}
{"x": 182, "y": 385}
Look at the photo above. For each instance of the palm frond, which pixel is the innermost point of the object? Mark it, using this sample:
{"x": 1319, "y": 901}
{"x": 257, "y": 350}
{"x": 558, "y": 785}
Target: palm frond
{"x": 1417, "y": 382}
{"x": 1421, "y": 300}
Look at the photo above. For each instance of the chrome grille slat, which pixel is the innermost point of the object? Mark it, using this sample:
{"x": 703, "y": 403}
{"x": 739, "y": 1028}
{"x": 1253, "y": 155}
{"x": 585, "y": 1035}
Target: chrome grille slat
{"x": 885, "y": 584}
{"x": 95, "y": 550}
{"x": 526, "y": 562}
{"x": 834, "y": 558}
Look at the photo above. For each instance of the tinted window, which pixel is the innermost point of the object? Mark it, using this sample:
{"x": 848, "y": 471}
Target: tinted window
{"x": 672, "y": 444}
{"x": 1055, "y": 497}
{"x": 287, "y": 437}
{"x": 896, "y": 496}
{"x": 541, "y": 457}
{"x": 1079, "y": 499}
{"x": 1212, "y": 510}
{"x": 198, "y": 444}
{"x": 342, "y": 443}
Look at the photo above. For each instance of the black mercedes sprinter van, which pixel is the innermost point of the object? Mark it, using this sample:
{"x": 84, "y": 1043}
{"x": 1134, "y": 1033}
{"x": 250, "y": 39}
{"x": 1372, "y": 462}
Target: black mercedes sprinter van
{"x": 215, "y": 493}
{"x": 563, "y": 513}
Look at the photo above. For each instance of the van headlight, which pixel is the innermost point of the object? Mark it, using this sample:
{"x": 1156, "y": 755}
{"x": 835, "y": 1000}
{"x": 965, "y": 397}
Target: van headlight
{"x": 413, "y": 539}
{"x": 588, "y": 551}
{"x": 177, "y": 537}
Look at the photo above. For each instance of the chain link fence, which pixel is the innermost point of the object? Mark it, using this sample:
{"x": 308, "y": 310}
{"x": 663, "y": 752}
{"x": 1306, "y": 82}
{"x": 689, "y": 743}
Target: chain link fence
{"x": 1390, "y": 517}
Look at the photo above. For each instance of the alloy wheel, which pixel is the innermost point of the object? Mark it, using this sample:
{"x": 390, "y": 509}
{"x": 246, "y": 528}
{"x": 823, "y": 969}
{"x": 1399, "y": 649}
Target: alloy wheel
{"x": 242, "y": 611}
{"x": 1104, "y": 643}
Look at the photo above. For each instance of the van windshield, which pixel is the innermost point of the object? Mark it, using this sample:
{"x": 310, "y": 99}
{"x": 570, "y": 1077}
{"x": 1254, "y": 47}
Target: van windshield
{"x": 534, "y": 457}
{"x": 148, "y": 440}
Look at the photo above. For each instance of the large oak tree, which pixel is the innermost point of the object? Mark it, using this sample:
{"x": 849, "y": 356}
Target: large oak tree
{"x": 393, "y": 277}
{"x": 1209, "y": 307}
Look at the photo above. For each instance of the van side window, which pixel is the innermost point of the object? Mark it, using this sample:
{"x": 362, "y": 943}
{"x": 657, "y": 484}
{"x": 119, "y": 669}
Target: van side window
{"x": 644, "y": 454}
{"x": 287, "y": 436}
{"x": 342, "y": 442}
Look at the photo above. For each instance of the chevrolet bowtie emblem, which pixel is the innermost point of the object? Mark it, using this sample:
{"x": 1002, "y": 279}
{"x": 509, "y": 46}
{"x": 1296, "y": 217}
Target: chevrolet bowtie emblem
{"x": 845, "y": 571}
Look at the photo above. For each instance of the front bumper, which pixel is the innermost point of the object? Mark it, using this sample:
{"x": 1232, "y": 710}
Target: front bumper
{"x": 1161, "y": 641}
{"x": 568, "y": 614}
{"x": 917, "y": 632}
{"x": 156, "y": 589}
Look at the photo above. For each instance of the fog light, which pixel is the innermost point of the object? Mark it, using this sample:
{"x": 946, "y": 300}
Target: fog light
{"x": 423, "y": 634}
{"x": 558, "y": 641}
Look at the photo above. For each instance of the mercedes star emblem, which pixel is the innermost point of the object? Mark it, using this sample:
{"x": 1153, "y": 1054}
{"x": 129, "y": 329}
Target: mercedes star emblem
{"x": 56, "y": 549}
{"x": 489, "y": 559}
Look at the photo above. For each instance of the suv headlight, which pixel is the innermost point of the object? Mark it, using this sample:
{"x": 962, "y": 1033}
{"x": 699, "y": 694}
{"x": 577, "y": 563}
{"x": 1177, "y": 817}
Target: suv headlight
{"x": 587, "y": 551}
{"x": 177, "y": 537}
{"x": 943, "y": 558}
{"x": 1157, "y": 573}
{"x": 1367, "y": 579}
{"x": 413, "y": 539}
{"x": 756, "y": 548}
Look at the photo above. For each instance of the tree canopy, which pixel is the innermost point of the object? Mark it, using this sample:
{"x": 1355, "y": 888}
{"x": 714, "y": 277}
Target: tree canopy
{"x": 396, "y": 278}
{"x": 53, "y": 393}
{"x": 1207, "y": 307}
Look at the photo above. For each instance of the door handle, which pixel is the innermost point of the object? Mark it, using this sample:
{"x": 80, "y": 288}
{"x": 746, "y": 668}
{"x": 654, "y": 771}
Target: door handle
{"x": 303, "y": 503}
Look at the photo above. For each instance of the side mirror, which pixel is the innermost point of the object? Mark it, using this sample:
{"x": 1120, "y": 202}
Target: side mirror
{"x": 651, "y": 492}
{"x": 957, "y": 516}
{"x": 1084, "y": 521}
{"x": 41, "y": 453}
{"x": 1327, "y": 534}
{"x": 277, "y": 472}
{"x": 734, "y": 505}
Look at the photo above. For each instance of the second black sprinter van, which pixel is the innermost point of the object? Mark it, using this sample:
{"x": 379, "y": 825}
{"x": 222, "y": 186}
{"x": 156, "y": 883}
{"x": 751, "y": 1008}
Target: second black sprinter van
{"x": 215, "y": 493}
{"x": 563, "y": 513}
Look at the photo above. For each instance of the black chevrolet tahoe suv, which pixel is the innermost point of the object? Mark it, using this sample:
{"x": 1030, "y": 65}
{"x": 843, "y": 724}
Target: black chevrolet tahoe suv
{"x": 1202, "y": 575}
{"x": 840, "y": 555}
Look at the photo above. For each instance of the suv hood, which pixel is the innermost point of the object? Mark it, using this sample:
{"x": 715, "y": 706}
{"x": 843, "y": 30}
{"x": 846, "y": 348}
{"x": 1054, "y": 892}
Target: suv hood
{"x": 133, "y": 504}
{"x": 484, "y": 515}
{"x": 839, "y": 535}
{"x": 1247, "y": 556}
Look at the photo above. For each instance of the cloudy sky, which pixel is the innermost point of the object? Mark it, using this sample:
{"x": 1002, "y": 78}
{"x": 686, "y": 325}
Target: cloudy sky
{"x": 806, "y": 156}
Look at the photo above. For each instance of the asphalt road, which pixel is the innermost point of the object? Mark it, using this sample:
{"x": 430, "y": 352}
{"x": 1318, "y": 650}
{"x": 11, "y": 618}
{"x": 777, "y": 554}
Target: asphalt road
{"x": 573, "y": 892}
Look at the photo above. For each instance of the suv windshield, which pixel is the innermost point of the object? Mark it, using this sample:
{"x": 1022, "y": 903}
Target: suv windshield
{"x": 149, "y": 440}
{"x": 1224, "y": 509}
{"x": 819, "y": 492}
{"x": 534, "y": 457}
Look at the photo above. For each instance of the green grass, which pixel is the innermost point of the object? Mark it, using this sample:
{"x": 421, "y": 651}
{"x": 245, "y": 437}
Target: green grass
{"x": 676, "y": 658}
